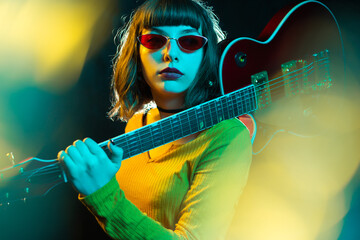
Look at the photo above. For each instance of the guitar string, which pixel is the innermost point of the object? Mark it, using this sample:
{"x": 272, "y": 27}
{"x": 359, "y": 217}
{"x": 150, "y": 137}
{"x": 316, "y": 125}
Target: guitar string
{"x": 53, "y": 168}
{"x": 151, "y": 133}
{"x": 151, "y": 137}
{"x": 325, "y": 60}
{"x": 287, "y": 83}
{"x": 304, "y": 71}
{"x": 159, "y": 135}
{"x": 320, "y": 67}
{"x": 146, "y": 144}
{"x": 294, "y": 76}
{"x": 137, "y": 137}
{"x": 296, "y": 79}
{"x": 57, "y": 169}
{"x": 148, "y": 141}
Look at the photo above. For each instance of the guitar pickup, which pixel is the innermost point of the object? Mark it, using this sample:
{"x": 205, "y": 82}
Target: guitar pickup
{"x": 261, "y": 82}
{"x": 295, "y": 77}
{"x": 322, "y": 74}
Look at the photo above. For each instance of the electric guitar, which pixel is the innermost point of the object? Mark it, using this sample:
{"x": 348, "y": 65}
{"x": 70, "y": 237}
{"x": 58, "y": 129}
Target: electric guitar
{"x": 297, "y": 57}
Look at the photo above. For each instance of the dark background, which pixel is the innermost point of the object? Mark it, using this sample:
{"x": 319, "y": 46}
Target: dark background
{"x": 81, "y": 112}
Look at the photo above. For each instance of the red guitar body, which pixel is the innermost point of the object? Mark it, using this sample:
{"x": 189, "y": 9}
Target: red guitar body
{"x": 295, "y": 33}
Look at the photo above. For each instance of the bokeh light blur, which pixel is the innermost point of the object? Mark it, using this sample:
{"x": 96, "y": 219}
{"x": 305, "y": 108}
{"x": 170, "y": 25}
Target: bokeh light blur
{"x": 45, "y": 43}
{"x": 43, "y": 48}
{"x": 299, "y": 184}
{"x": 54, "y": 86}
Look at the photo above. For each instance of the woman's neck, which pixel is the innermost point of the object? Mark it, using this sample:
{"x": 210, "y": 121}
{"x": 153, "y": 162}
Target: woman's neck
{"x": 169, "y": 106}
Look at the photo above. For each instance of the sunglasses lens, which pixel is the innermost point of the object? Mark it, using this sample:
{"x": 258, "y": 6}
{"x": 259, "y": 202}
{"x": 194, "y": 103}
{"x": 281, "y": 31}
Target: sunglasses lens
{"x": 192, "y": 43}
{"x": 156, "y": 41}
{"x": 153, "y": 41}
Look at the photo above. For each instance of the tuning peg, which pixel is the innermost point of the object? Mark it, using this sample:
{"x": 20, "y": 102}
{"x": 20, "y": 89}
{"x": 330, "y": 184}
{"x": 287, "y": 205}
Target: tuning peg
{"x": 10, "y": 155}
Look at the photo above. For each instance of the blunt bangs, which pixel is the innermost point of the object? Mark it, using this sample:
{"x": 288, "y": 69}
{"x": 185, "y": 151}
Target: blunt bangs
{"x": 131, "y": 94}
{"x": 172, "y": 13}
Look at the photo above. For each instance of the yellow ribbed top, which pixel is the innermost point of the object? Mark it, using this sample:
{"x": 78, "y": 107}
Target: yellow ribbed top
{"x": 189, "y": 192}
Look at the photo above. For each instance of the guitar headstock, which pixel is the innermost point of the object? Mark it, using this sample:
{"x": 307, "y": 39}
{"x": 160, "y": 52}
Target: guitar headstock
{"x": 31, "y": 177}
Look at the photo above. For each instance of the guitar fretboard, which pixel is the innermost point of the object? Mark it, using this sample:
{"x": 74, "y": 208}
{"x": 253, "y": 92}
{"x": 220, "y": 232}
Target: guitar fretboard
{"x": 185, "y": 123}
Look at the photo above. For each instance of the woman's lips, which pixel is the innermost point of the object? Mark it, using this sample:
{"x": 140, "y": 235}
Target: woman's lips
{"x": 170, "y": 75}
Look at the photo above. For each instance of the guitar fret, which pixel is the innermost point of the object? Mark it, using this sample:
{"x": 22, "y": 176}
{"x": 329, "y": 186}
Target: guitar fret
{"x": 147, "y": 142}
{"x": 176, "y": 121}
{"x": 251, "y": 102}
{"x": 190, "y": 121}
{"x": 147, "y": 139}
{"x": 238, "y": 109}
{"x": 232, "y": 100}
{"x": 167, "y": 135}
{"x": 199, "y": 118}
{"x": 238, "y": 105}
{"x": 213, "y": 113}
{"x": 162, "y": 132}
{"x": 208, "y": 118}
{"x": 132, "y": 140}
{"x": 143, "y": 135}
{"x": 140, "y": 146}
{"x": 235, "y": 104}
{"x": 193, "y": 120}
{"x": 242, "y": 101}
{"x": 232, "y": 106}
{"x": 185, "y": 123}
{"x": 225, "y": 107}
{"x": 176, "y": 126}
{"x": 220, "y": 109}
{"x": 157, "y": 137}
{"x": 247, "y": 100}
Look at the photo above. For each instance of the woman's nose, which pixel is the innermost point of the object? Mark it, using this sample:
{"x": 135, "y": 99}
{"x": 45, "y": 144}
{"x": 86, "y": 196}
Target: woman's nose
{"x": 171, "y": 50}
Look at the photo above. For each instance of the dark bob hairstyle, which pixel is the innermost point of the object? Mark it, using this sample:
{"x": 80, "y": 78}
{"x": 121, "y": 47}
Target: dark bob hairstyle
{"x": 131, "y": 93}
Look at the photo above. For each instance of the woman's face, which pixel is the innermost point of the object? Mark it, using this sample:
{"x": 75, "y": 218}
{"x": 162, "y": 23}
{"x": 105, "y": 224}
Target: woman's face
{"x": 165, "y": 82}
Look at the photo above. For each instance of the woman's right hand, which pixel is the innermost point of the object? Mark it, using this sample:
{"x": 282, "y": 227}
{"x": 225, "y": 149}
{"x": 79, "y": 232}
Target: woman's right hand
{"x": 88, "y": 167}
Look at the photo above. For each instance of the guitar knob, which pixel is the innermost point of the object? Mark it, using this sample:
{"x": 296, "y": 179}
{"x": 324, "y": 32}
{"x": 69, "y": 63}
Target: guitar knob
{"x": 241, "y": 59}
{"x": 10, "y": 155}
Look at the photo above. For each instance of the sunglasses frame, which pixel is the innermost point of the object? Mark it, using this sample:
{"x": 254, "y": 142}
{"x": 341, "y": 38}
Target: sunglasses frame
{"x": 176, "y": 39}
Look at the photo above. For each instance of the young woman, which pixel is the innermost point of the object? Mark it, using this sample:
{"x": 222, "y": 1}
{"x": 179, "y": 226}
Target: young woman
{"x": 186, "y": 189}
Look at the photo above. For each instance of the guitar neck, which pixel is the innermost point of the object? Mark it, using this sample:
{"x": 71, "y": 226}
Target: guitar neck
{"x": 185, "y": 123}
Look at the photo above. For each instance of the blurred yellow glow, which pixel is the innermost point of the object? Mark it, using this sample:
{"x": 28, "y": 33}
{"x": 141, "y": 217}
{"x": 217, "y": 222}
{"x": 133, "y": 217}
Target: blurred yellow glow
{"x": 5, "y": 147}
{"x": 271, "y": 216}
{"x": 296, "y": 187}
{"x": 46, "y": 42}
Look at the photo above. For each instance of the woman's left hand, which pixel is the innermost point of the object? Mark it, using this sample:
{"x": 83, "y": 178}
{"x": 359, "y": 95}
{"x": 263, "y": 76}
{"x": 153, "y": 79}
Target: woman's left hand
{"x": 87, "y": 165}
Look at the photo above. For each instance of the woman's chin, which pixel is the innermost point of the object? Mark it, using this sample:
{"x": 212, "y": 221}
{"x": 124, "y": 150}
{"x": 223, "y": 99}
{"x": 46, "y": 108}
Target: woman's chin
{"x": 173, "y": 87}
